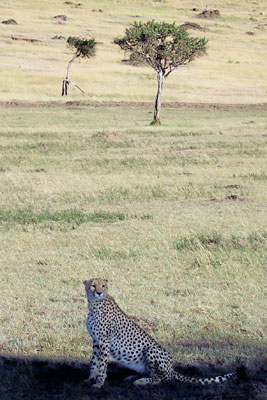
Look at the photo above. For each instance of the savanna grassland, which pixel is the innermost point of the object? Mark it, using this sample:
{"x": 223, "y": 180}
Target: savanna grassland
{"x": 174, "y": 216}
{"x": 234, "y": 71}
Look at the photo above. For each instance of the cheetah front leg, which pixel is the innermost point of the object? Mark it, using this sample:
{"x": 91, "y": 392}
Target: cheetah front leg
{"x": 103, "y": 357}
{"x": 94, "y": 364}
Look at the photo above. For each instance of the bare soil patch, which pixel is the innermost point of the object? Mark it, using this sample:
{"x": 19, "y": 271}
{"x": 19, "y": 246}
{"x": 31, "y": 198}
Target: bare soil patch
{"x": 185, "y": 173}
{"x": 10, "y": 21}
{"x": 70, "y": 3}
{"x": 26, "y": 39}
{"x": 231, "y": 197}
{"x": 192, "y": 25}
{"x": 58, "y": 37}
{"x": 61, "y": 17}
{"x": 209, "y": 14}
{"x": 234, "y": 197}
{"x": 137, "y": 104}
{"x": 232, "y": 186}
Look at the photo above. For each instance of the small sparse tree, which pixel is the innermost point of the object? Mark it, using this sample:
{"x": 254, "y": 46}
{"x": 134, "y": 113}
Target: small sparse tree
{"x": 84, "y": 48}
{"x": 164, "y": 47}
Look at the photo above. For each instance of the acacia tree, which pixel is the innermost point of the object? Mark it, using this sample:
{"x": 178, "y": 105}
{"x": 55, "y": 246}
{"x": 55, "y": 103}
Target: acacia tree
{"x": 164, "y": 47}
{"x": 84, "y": 48}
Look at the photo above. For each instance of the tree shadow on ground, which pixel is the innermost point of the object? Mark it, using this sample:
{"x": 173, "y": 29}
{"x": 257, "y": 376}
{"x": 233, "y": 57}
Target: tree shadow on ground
{"x": 32, "y": 378}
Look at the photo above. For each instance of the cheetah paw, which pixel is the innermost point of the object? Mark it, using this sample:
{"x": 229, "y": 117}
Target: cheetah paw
{"x": 96, "y": 386}
{"x": 89, "y": 382}
{"x": 141, "y": 382}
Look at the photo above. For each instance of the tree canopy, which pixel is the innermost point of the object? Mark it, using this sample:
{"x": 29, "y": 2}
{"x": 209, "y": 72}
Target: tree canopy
{"x": 84, "y": 47}
{"x": 163, "y": 46}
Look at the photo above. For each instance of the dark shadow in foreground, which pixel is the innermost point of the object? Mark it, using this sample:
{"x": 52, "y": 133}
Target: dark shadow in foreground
{"x": 31, "y": 378}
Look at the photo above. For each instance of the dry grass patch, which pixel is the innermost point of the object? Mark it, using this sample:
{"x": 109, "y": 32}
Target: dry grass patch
{"x": 79, "y": 199}
{"x": 232, "y": 72}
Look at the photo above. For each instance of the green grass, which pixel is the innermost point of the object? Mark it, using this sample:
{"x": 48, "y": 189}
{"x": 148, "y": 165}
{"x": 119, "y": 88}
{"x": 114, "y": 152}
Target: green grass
{"x": 67, "y": 219}
{"x": 257, "y": 177}
{"x": 77, "y": 217}
{"x": 173, "y": 216}
{"x": 215, "y": 239}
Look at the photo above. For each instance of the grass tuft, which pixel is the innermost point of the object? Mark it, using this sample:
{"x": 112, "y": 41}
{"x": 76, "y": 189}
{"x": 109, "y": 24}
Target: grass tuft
{"x": 216, "y": 239}
{"x": 155, "y": 123}
{"x": 107, "y": 253}
{"x": 256, "y": 176}
{"x": 196, "y": 241}
{"x": 29, "y": 216}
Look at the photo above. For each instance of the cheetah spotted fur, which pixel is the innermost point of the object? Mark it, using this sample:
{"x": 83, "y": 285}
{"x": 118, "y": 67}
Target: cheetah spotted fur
{"x": 117, "y": 335}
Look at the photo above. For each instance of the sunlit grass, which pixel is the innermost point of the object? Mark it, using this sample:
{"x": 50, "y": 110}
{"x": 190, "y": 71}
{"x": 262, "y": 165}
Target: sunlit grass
{"x": 232, "y": 71}
{"x": 172, "y": 216}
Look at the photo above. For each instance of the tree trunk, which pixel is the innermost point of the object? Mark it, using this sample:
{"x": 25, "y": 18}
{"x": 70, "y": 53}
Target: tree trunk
{"x": 69, "y": 65}
{"x": 67, "y": 81}
{"x": 161, "y": 79}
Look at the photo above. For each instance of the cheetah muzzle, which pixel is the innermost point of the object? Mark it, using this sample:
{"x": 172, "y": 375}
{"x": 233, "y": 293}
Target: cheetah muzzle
{"x": 117, "y": 335}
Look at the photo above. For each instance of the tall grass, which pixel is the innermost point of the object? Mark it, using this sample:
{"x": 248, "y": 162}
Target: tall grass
{"x": 172, "y": 217}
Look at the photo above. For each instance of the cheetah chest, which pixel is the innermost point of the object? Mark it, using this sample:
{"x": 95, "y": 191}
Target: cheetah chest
{"x": 94, "y": 328}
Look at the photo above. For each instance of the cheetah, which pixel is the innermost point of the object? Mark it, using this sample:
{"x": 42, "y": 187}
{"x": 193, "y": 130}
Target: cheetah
{"x": 117, "y": 335}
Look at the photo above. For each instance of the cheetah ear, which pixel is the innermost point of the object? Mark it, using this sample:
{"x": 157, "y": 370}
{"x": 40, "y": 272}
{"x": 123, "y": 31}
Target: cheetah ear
{"x": 105, "y": 281}
{"x": 85, "y": 283}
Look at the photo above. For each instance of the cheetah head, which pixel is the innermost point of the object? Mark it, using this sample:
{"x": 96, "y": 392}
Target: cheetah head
{"x": 96, "y": 289}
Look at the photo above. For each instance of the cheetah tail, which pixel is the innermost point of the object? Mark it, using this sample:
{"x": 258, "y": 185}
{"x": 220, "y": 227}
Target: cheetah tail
{"x": 239, "y": 374}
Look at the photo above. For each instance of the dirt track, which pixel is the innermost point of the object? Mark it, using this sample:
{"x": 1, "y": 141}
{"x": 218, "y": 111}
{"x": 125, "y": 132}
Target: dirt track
{"x": 198, "y": 106}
